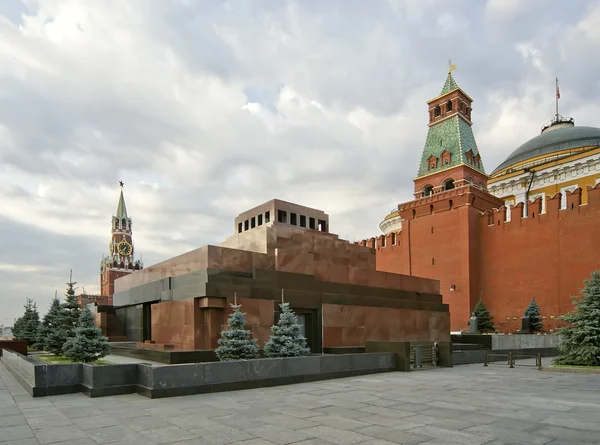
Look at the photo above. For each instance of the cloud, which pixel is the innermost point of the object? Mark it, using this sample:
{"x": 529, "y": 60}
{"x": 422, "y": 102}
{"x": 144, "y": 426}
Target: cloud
{"x": 205, "y": 110}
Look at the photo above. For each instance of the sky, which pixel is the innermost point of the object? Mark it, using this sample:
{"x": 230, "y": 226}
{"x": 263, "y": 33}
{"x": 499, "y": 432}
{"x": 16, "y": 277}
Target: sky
{"x": 208, "y": 108}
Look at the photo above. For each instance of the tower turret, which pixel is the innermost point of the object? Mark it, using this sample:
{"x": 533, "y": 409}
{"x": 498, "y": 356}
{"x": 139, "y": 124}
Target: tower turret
{"x": 450, "y": 157}
{"x": 120, "y": 260}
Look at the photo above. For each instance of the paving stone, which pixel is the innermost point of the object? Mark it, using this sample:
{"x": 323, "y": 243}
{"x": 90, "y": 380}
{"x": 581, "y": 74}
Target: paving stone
{"x": 10, "y": 434}
{"x": 61, "y": 434}
{"x": 335, "y": 435}
{"x": 168, "y": 435}
{"x": 279, "y": 434}
{"x": 12, "y": 420}
{"x": 394, "y": 435}
{"x": 54, "y": 420}
{"x": 116, "y": 433}
{"x": 221, "y": 434}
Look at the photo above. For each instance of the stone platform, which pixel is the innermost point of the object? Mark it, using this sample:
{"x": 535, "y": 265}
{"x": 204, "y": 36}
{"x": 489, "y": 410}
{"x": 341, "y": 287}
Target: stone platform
{"x": 469, "y": 405}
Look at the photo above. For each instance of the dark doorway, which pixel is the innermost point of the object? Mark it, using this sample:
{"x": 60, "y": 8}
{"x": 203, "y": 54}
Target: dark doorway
{"x": 311, "y": 322}
{"x": 147, "y": 321}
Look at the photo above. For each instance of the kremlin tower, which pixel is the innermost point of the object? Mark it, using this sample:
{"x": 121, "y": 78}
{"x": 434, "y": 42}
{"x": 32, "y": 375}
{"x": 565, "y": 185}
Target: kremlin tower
{"x": 120, "y": 259}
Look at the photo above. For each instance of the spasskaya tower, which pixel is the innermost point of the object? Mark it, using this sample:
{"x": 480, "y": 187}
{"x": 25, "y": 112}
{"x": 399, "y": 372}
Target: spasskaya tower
{"x": 120, "y": 259}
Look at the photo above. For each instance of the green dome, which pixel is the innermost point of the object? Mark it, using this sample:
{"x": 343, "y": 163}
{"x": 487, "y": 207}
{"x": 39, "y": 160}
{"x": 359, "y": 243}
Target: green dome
{"x": 553, "y": 140}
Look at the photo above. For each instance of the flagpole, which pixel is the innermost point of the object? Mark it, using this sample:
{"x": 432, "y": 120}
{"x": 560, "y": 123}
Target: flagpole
{"x": 557, "y": 96}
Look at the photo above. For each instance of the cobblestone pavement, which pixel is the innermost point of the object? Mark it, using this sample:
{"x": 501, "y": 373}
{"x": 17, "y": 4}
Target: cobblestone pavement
{"x": 464, "y": 405}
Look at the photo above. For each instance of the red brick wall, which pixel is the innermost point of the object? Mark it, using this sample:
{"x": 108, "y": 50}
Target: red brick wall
{"x": 547, "y": 256}
{"x": 505, "y": 264}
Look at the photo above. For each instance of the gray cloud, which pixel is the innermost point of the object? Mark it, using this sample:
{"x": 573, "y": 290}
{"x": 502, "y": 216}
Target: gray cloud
{"x": 206, "y": 109}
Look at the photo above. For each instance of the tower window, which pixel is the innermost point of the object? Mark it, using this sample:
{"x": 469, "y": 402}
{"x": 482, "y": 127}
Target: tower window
{"x": 267, "y": 217}
{"x": 302, "y": 220}
{"x": 293, "y": 219}
{"x": 312, "y": 223}
{"x": 428, "y": 190}
{"x": 437, "y": 111}
{"x": 123, "y": 223}
{"x": 260, "y": 219}
{"x": 449, "y": 106}
{"x": 322, "y": 225}
{"x": 246, "y": 225}
{"x": 393, "y": 238}
{"x": 253, "y": 222}
{"x": 449, "y": 184}
{"x": 240, "y": 227}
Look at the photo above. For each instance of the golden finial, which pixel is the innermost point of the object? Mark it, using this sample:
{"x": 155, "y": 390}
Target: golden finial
{"x": 450, "y": 66}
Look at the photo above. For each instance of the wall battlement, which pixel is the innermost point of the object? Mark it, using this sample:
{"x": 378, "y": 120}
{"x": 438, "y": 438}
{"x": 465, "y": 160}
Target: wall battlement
{"x": 495, "y": 217}
{"x": 517, "y": 215}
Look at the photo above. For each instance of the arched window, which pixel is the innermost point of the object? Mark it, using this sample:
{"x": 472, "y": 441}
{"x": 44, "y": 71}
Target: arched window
{"x": 437, "y": 111}
{"x": 431, "y": 209}
{"x": 428, "y": 190}
{"x": 449, "y": 106}
{"x": 449, "y": 184}
{"x": 414, "y": 213}
{"x": 124, "y": 223}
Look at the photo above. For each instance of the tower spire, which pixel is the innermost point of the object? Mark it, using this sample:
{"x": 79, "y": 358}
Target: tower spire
{"x": 121, "y": 209}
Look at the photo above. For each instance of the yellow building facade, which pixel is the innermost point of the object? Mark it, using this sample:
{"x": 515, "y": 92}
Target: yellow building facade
{"x": 561, "y": 159}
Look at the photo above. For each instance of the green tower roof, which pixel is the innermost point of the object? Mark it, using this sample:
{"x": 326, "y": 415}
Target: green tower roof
{"x": 121, "y": 209}
{"x": 450, "y": 84}
{"x": 453, "y": 135}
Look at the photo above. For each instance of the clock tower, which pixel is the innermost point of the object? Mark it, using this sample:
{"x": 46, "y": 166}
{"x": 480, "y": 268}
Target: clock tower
{"x": 120, "y": 260}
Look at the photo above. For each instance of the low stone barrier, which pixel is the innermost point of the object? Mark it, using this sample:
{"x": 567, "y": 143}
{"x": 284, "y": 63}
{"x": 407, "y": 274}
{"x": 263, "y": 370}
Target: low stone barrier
{"x": 500, "y": 355}
{"x": 42, "y": 379}
{"x": 197, "y": 378}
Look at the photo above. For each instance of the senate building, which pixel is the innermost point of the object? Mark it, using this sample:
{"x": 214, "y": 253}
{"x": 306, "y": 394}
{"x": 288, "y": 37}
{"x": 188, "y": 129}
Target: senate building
{"x": 527, "y": 229}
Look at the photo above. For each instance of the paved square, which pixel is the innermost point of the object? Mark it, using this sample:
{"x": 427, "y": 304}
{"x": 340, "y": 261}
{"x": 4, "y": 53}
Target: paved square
{"x": 468, "y": 405}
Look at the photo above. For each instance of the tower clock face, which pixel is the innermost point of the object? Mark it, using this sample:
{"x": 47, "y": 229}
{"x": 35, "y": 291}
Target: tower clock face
{"x": 124, "y": 248}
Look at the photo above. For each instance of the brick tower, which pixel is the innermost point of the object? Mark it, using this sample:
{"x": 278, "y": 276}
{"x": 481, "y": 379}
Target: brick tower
{"x": 439, "y": 235}
{"x": 120, "y": 260}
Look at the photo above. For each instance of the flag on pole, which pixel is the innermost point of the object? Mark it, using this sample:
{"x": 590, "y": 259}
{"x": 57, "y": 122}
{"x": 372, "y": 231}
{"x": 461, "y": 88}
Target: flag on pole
{"x": 557, "y": 90}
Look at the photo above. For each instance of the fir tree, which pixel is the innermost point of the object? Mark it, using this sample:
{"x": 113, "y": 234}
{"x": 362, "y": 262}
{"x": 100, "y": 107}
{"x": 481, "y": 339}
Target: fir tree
{"x": 70, "y": 305}
{"x": 88, "y": 344}
{"x": 535, "y": 319}
{"x": 235, "y": 343}
{"x": 67, "y": 320}
{"x": 286, "y": 339}
{"x": 485, "y": 322}
{"x": 17, "y": 326}
{"x": 580, "y": 343}
{"x": 49, "y": 322}
{"x": 27, "y": 325}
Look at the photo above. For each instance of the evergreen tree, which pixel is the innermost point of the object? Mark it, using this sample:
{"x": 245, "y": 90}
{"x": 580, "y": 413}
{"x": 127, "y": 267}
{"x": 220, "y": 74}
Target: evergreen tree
{"x": 485, "y": 322}
{"x": 88, "y": 344}
{"x": 70, "y": 305}
{"x": 286, "y": 339}
{"x": 17, "y": 326}
{"x": 535, "y": 319}
{"x": 580, "y": 343}
{"x": 48, "y": 324}
{"x": 235, "y": 343}
{"x": 67, "y": 320}
{"x": 27, "y": 325}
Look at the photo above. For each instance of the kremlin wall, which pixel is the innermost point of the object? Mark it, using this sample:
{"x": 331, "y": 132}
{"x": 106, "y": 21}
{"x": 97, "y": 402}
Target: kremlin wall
{"x": 505, "y": 261}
